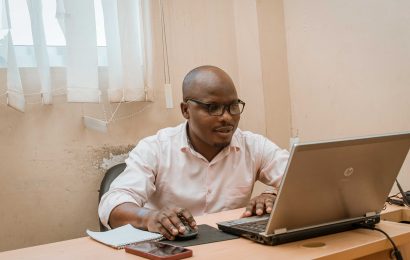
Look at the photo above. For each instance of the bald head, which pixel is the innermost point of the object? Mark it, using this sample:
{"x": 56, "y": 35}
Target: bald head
{"x": 207, "y": 91}
{"x": 204, "y": 79}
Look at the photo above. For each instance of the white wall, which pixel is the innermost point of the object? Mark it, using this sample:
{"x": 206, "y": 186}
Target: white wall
{"x": 349, "y": 68}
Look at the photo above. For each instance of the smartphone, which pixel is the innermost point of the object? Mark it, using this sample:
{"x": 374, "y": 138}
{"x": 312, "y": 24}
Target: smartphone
{"x": 158, "y": 251}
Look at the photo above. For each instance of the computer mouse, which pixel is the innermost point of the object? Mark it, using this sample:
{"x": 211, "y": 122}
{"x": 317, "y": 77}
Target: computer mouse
{"x": 190, "y": 233}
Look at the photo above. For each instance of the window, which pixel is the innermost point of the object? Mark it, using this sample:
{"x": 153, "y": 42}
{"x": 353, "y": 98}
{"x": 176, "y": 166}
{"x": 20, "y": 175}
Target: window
{"x": 55, "y": 40}
{"x": 71, "y": 34}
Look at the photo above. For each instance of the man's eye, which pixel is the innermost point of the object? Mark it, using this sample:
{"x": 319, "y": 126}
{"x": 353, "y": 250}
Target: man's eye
{"x": 214, "y": 107}
{"x": 235, "y": 106}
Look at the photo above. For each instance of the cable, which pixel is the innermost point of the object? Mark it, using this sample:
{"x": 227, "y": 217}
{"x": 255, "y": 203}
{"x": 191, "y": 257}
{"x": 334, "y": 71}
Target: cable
{"x": 395, "y": 200}
{"x": 403, "y": 194}
{"x": 396, "y": 251}
{"x": 395, "y": 195}
{"x": 115, "y": 111}
{"x": 133, "y": 114}
{"x": 164, "y": 45}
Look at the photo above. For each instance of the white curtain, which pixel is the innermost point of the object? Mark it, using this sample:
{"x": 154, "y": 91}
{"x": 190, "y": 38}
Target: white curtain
{"x": 124, "y": 33}
{"x": 15, "y": 95}
{"x": 81, "y": 48}
{"x": 4, "y": 28}
{"x": 114, "y": 57}
{"x": 40, "y": 48}
{"x": 125, "y": 51}
{"x": 60, "y": 14}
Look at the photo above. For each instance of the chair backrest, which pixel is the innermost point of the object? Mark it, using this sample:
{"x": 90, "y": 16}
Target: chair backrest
{"x": 109, "y": 176}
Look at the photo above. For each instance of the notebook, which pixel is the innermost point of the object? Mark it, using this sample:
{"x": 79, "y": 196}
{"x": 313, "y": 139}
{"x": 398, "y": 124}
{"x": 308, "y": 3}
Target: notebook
{"x": 328, "y": 187}
{"x": 122, "y": 236}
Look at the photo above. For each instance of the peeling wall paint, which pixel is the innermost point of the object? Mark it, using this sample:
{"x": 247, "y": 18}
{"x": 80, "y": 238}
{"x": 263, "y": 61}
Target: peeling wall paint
{"x": 113, "y": 160}
{"x": 107, "y": 156}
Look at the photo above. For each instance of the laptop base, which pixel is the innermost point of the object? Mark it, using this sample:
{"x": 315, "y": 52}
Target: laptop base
{"x": 296, "y": 235}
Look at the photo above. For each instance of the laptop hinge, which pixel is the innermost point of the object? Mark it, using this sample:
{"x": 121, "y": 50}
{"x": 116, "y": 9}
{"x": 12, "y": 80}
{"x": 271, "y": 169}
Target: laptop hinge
{"x": 371, "y": 214}
{"x": 280, "y": 231}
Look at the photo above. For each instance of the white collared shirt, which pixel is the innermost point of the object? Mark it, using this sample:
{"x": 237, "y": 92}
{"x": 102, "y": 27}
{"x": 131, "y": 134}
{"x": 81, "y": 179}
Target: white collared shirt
{"x": 165, "y": 171}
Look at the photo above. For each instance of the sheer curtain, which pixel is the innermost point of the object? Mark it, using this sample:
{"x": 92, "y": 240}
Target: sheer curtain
{"x": 15, "y": 96}
{"x": 123, "y": 29}
{"x": 81, "y": 48}
{"x": 40, "y": 48}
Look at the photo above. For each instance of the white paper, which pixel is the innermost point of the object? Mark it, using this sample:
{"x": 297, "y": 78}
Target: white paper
{"x": 125, "y": 235}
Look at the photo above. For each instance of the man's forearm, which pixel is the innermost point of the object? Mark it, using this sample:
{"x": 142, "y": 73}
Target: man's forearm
{"x": 130, "y": 213}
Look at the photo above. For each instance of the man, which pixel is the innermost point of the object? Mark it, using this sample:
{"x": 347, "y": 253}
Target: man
{"x": 202, "y": 166}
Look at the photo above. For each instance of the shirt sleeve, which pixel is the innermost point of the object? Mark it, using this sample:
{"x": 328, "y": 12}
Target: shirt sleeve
{"x": 135, "y": 184}
{"x": 273, "y": 163}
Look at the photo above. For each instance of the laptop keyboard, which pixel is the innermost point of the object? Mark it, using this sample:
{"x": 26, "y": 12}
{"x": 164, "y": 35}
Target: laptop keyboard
{"x": 257, "y": 226}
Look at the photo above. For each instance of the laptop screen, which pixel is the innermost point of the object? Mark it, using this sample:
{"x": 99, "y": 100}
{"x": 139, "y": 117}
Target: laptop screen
{"x": 337, "y": 180}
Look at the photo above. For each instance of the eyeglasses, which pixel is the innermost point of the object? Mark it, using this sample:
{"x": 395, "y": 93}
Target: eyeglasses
{"x": 214, "y": 109}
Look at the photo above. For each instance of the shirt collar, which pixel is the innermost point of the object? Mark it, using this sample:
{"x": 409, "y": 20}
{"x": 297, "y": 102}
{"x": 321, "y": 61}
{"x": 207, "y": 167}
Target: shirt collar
{"x": 186, "y": 143}
{"x": 235, "y": 145}
{"x": 184, "y": 137}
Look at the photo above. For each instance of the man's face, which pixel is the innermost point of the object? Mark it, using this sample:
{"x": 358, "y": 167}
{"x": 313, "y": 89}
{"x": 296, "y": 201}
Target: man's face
{"x": 210, "y": 133}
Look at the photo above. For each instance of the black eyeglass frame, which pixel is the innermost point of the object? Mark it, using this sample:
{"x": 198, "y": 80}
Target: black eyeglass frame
{"x": 226, "y": 107}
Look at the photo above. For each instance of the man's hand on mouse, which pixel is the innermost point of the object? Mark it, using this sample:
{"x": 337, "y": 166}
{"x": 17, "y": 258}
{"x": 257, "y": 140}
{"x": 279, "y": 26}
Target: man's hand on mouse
{"x": 260, "y": 205}
{"x": 168, "y": 222}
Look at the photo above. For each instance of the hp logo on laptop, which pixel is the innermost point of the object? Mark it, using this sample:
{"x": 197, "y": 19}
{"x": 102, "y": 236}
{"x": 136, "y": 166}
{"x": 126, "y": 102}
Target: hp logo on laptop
{"x": 349, "y": 171}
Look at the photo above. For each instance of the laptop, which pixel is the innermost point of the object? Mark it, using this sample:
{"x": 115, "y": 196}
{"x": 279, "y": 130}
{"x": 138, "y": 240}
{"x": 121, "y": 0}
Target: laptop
{"x": 328, "y": 187}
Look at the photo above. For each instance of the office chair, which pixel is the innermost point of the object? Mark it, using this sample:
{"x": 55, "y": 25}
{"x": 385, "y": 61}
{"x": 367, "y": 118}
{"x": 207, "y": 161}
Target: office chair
{"x": 109, "y": 176}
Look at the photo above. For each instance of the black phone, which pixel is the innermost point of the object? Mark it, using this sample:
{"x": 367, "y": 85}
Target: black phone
{"x": 158, "y": 250}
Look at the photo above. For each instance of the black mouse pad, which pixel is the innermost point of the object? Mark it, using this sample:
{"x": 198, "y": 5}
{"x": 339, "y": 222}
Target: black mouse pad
{"x": 206, "y": 234}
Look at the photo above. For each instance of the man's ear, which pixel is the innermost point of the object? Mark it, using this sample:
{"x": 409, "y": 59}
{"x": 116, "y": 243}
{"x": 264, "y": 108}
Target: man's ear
{"x": 184, "y": 110}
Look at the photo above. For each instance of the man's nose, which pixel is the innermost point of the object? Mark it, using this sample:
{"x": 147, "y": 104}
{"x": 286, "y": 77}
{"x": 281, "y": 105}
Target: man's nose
{"x": 226, "y": 115}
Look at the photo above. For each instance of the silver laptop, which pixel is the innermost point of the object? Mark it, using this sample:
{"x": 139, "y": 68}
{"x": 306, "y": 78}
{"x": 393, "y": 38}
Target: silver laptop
{"x": 329, "y": 187}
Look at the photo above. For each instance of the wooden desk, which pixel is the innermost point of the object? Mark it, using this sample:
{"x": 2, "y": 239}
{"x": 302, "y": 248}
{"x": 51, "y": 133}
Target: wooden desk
{"x": 359, "y": 243}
